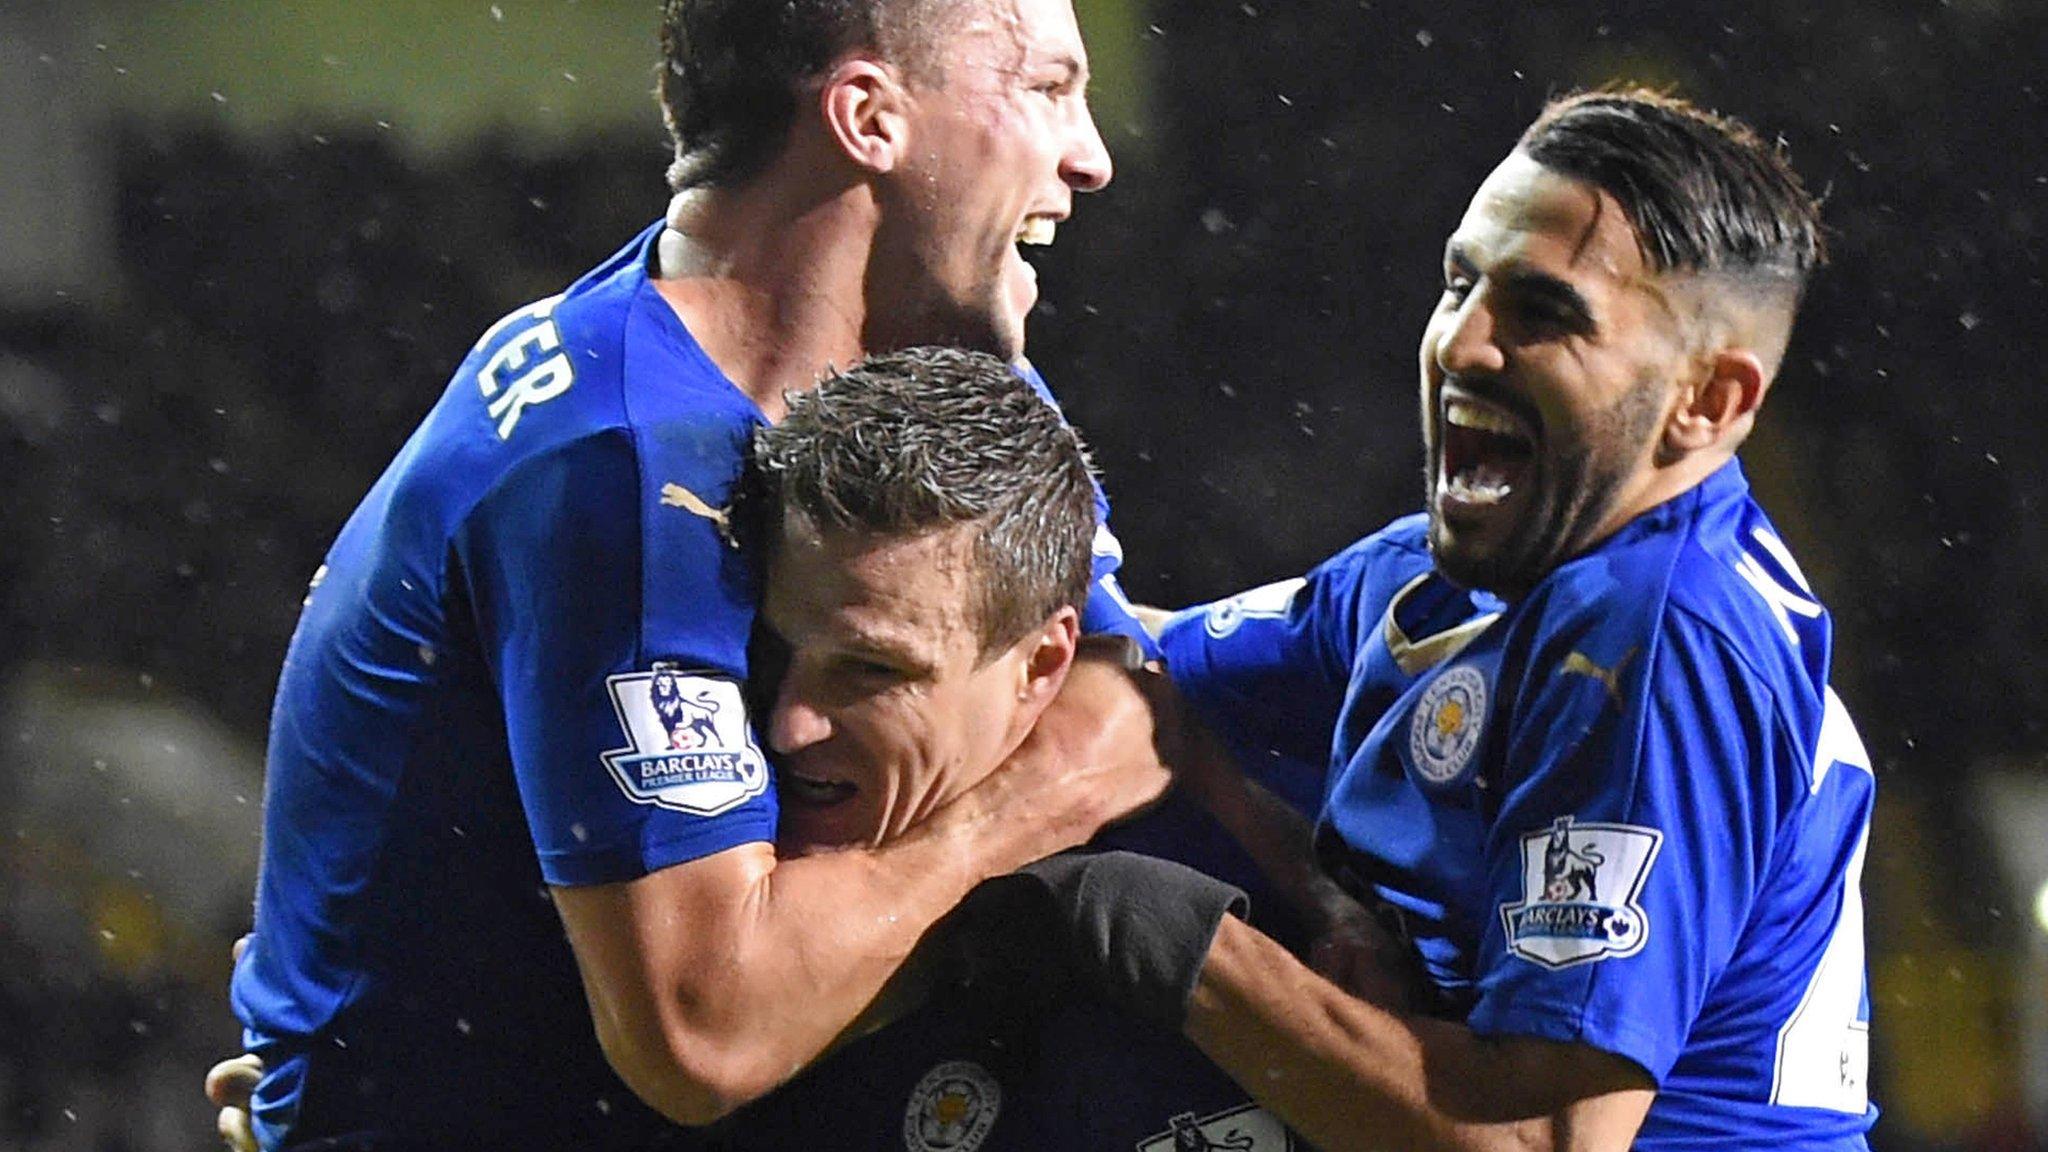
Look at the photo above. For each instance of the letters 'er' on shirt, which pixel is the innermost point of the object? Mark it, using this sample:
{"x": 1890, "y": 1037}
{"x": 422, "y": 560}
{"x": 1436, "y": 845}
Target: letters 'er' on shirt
{"x": 520, "y": 665}
{"x": 1626, "y": 811}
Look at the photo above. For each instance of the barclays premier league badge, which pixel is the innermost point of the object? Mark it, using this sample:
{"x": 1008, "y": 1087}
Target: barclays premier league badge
{"x": 1580, "y": 890}
{"x": 690, "y": 747}
{"x": 1246, "y": 1128}
{"x": 1443, "y": 734}
{"x": 1266, "y": 602}
{"x": 952, "y": 1108}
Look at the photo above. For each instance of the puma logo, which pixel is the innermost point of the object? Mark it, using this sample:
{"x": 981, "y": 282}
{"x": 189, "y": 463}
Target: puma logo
{"x": 1578, "y": 663}
{"x": 677, "y": 496}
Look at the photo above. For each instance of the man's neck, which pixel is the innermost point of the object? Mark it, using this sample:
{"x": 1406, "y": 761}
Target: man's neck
{"x": 769, "y": 282}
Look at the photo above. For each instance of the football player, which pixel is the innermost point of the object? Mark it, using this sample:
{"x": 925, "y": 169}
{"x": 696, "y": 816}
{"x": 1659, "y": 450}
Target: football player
{"x": 1586, "y": 758}
{"x": 515, "y": 698}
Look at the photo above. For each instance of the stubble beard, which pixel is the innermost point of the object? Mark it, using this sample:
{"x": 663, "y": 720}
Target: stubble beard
{"x": 1577, "y": 486}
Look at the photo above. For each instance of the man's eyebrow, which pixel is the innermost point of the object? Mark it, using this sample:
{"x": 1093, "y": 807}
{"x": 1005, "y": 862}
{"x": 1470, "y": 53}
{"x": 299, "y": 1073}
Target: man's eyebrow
{"x": 886, "y": 649}
{"x": 1076, "y": 69}
{"x": 1527, "y": 284}
{"x": 1545, "y": 288}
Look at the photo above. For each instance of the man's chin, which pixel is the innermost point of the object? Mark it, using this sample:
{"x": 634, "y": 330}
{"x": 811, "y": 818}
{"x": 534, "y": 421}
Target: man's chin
{"x": 1469, "y": 561}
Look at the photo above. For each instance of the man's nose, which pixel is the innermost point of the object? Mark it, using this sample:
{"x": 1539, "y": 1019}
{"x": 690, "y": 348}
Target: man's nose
{"x": 1468, "y": 344}
{"x": 796, "y": 722}
{"x": 1087, "y": 166}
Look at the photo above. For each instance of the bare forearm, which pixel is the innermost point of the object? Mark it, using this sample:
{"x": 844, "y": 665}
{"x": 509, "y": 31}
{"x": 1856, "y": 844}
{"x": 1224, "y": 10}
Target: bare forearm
{"x": 1278, "y": 839}
{"x": 711, "y": 987}
{"x": 1350, "y": 1075}
{"x": 713, "y": 981}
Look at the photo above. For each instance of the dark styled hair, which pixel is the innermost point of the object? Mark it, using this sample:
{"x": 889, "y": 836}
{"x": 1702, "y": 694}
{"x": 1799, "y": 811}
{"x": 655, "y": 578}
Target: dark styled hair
{"x": 733, "y": 71}
{"x": 933, "y": 439}
{"x": 1703, "y": 192}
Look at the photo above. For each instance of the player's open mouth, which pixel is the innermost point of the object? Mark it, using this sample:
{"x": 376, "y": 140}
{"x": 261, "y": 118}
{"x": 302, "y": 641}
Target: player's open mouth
{"x": 813, "y": 791}
{"x": 1038, "y": 230}
{"x": 1486, "y": 450}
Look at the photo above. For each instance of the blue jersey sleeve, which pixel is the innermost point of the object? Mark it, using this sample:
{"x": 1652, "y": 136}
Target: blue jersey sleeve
{"x": 1644, "y": 794}
{"x": 1108, "y": 611}
{"x": 614, "y": 618}
{"x": 1267, "y": 670}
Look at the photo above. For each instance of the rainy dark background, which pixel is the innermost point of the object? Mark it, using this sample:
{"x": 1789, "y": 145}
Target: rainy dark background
{"x": 243, "y": 243}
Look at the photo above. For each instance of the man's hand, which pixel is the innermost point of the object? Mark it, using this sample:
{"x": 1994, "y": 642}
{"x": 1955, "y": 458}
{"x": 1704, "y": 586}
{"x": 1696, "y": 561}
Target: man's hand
{"x": 1132, "y": 929}
{"x": 229, "y": 1085}
{"x": 1352, "y": 949}
{"x": 1096, "y": 755}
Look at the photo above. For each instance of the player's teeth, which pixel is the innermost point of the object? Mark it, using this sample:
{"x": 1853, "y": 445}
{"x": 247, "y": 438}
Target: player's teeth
{"x": 1482, "y": 417}
{"x": 1037, "y": 230}
{"x": 1480, "y": 484}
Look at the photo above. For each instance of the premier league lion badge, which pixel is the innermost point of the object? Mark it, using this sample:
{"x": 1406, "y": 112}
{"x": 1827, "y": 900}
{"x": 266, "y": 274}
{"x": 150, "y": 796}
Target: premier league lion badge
{"x": 952, "y": 1108}
{"x": 1266, "y": 602}
{"x": 1246, "y": 1128}
{"x": 1580, "y": 884}
{"x": 690, "y": 748}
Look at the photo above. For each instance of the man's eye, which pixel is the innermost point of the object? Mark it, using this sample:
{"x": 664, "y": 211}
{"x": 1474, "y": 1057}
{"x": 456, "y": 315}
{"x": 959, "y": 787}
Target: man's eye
{"x": 1456, "y": 288}
{"x": 869, "y": 669}
{"x": 1544, "y": 318}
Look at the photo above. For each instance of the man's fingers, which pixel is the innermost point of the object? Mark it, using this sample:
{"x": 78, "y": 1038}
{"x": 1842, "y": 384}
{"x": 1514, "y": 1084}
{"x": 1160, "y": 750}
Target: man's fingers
{"x": 235, "y": 1130}
{"x": 230, "y": 1083}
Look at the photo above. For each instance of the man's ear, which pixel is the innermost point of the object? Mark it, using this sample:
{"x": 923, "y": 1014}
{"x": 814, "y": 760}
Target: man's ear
{"x": 1718, "y": 407}
{"x": 864, "y": 106}
{"x": 1050, "y": 652}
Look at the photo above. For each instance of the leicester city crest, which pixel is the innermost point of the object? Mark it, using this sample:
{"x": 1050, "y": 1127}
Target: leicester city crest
{"x": 1580, "y": 890}
{"x": 1443, "y": 734}
{"x": 690, "y": 747}
{"x": 952, "y": 1108}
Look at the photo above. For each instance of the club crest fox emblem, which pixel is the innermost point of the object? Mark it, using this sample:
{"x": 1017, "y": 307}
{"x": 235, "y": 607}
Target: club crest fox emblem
{"x": 689, "y": 747}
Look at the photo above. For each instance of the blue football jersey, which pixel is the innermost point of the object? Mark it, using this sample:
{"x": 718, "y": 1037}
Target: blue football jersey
{"x": 1626, "y": 811}
{"x": 520, "y": 665}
